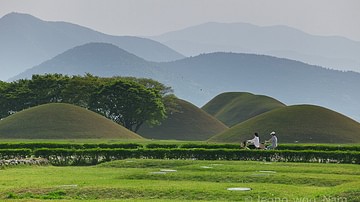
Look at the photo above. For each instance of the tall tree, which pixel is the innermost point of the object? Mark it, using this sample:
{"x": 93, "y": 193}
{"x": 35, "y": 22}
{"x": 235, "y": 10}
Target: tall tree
{"x": 47, "y": 88}
{"x": 15, "y": 96}
{"x": 166, "y": 92}
{"x": 3, "y": 99}
{"x": 79, "y": 89}
{"x": 128, "y": 103}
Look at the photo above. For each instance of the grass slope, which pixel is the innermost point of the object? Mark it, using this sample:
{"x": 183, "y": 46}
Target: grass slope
{"x": 234, "y": 107}
{"x": 61, "y": 121}
{"x": 189, "y": 123}
{"x": 298, "y": 123}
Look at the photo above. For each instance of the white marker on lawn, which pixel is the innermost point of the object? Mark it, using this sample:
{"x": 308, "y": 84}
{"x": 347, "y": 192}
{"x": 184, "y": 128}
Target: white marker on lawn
{"x": 239, "y": 189}
{"x": 158, "y": 173}
{"x": 267, "y": 171}
{"x": 167, "y": 170}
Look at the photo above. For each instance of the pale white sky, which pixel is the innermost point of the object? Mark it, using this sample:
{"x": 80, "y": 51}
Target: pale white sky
{"x": 153, "y": 17}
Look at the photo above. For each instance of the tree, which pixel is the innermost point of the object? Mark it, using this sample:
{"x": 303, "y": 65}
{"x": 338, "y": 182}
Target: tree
{"x": 47, "y": 88}
{"x": 3, "y": 99}
{"x": 166, "y": 92}
{"x": 79, "y": 89}
{"x": 128, "y": 103}
{"x": 152, "y": 84}
{"x": 14, "y": 97}
{"x": 24, "y": 93}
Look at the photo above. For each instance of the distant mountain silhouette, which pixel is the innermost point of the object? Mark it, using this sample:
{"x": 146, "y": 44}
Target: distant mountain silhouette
{"x": 100, "y": 59}
{"x": 234, "y": 107}
{"x": 199, "y": 79}
{"x": 280, "y": 41}
{"x": 188, "y": 123}
{"x": 298, "y": 123}
{"x": 27, "y": 41}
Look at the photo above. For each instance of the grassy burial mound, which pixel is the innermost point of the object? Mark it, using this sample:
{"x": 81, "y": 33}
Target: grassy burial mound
{"x": 188, "y": 123}
{"x": 234, "y": 107}
{"x": 61, "y": 121}
{"x": 298, "y": 123}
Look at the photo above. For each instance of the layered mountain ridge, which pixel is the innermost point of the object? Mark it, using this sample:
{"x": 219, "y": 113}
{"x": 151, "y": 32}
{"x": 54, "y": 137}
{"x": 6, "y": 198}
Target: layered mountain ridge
{"x": 27, "y": 41}
{"x": 198, "y": 79}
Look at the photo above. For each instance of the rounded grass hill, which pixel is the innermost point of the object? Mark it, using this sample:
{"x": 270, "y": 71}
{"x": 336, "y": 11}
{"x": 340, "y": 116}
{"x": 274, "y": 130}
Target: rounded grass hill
{"x": 61, "y": 121}
{"x": 298, "y": 123}
{"x": 234, "y": 107}
{"x": 188, "y": 123}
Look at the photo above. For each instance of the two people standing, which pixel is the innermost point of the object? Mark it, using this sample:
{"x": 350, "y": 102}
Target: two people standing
{"x": 255, "y": 142}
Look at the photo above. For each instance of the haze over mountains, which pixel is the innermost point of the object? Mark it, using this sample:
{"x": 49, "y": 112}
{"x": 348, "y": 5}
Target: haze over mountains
{"x": 101, "y": 59}
{"x": 280, "y": 41}
{"x": 27, "y": 41}
{"x": 199, "y": 79}
{"x": 289, "y": 81}
{"x": 60, "y": 47}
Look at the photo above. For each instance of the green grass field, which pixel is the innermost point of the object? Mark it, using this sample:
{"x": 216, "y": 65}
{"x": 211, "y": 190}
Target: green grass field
{"x": 142, "y": 180}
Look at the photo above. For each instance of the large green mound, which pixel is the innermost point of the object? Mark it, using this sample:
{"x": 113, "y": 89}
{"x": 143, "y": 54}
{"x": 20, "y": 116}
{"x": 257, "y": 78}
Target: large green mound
{"x": 61, "y": 121}
{"x": 299, "y": 123}
{"x": 234, "y": 107}
{"x": 188, "y": 123}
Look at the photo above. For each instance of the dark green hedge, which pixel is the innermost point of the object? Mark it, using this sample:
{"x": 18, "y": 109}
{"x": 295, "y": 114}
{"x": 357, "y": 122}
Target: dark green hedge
{"x": 210, "y": 146}
{"x": 61, "y": 156}
{"x": 319, "y": 147}
{"x": 95, "y": 156}
{"x": 164, "y": 146}
{"x": 15, "y": 153}
{"x": 67, "y": 145}
{"x": 316, "y": 147}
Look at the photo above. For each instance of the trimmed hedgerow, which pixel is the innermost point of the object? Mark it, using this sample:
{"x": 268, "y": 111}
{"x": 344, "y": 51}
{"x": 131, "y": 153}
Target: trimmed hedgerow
{"x": 33, "y": 146}
{"x": 210, "y": 146}
{"x": 98, "y": 155}
{"x": 316, "y": 147}
{"x": 15, "y": 153}
{"x": 164, "y": 146}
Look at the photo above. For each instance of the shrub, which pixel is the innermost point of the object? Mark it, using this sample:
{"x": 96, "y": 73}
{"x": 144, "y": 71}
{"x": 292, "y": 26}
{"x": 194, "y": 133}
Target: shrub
{"x": 167, "y": 146}
{"x": 14, "y": 153}
{"x": 98, "y": 155}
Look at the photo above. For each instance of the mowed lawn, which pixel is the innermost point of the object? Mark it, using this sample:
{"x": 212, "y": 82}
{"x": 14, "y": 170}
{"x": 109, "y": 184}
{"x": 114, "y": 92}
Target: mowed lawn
{"x": 182, "y": 180}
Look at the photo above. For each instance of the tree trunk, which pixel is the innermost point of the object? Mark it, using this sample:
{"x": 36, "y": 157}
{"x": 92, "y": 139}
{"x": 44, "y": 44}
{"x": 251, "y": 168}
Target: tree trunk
{"x": 137, "y": 127}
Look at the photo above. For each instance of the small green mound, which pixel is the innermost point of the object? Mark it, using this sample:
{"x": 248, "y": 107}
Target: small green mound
{"x": 188, "y": 123}
{"x": 235, "y": 107}
{"x": 299, "y": 123}
{"x": 61, "y": 121}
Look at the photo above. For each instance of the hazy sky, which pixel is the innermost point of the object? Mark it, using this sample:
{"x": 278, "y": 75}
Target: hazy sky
{"x": 152, "y": 17}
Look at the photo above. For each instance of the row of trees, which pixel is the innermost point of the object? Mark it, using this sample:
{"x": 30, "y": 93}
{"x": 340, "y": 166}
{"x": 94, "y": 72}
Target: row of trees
{"x": 128, "y": 101}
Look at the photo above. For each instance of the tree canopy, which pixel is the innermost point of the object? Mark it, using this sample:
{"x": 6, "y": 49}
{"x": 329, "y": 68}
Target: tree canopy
{"x": 126, "y": 100}
{"x": 128, "y": 103}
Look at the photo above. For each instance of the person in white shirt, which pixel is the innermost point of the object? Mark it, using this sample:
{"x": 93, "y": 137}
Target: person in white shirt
{"x": 273, "y": 140}
{"x": 255, "y": 141}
